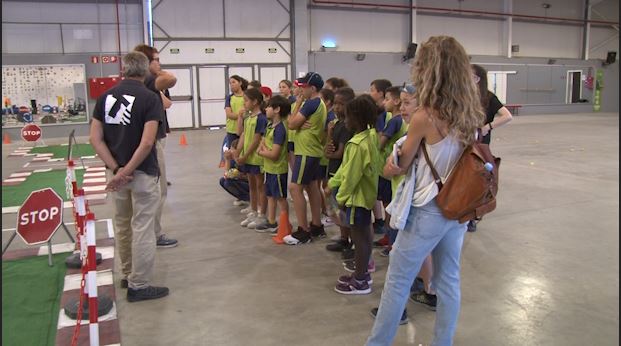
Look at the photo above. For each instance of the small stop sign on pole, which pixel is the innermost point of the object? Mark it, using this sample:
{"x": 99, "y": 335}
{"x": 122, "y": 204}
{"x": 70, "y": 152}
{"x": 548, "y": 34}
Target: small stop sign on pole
{"x": 31, "y": 133}
{"x": 40, "y": 216}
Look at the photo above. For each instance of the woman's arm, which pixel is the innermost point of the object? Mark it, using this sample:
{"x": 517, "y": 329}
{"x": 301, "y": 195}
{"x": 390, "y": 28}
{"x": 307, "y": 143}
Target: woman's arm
{"x": 502, "y": 117}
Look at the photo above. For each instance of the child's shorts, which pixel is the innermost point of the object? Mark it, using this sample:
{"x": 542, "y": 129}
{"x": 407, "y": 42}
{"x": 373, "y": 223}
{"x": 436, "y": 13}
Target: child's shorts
{"x": 305, "y": 170}
{"x": 250, "y": 169}
{"x": 384, "y": 190}
{"x": 290, "y": 147}
{"x": 276, "y": 185}
{"x": 357, "y": 216}
{"x": 323, "y": 172}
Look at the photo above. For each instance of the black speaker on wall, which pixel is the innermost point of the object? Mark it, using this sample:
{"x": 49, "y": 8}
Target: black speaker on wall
{"x": 611, "y": 57}
{"x": 410, "y": 52}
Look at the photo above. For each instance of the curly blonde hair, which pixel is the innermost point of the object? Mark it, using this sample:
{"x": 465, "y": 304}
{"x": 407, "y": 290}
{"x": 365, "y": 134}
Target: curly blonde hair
{"x": 444, "y": 83}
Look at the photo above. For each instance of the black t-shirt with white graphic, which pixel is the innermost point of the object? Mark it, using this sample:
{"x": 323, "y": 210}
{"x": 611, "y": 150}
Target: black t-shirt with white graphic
{"x": 124, "y": 110}
{"x": 163, "y": 129}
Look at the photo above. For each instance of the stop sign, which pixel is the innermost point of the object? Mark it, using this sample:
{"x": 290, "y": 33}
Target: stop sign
{"x": 39, "y": 216}
{"x": 31, "y": 133}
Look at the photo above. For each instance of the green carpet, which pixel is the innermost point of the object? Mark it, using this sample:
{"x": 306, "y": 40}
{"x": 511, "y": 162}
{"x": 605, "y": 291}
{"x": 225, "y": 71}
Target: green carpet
{"x": 61, "y": 150}
{"x": 31, "y": 292}
{"x": 16, "y": 195}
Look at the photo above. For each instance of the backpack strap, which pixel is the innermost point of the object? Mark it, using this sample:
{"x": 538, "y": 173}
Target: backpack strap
{"x": 435, "y": 174}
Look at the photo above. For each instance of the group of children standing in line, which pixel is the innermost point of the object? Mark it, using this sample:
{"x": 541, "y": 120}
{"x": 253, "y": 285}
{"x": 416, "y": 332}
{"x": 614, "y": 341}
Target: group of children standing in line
{"x": 335, "y": 144}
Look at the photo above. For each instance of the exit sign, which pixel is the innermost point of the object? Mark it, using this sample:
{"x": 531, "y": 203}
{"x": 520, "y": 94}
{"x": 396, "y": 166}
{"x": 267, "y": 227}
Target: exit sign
{"x": 174, "y": 51}
{"x": 210, "y": 50}
{"x": 240, "y": 50}
{"x": 271, "y": 50}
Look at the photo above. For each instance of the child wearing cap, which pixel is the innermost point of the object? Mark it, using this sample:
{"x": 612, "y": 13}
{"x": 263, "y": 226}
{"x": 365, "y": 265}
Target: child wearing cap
{"x": 356, "y": 181}
{"x": 308, "y": 150}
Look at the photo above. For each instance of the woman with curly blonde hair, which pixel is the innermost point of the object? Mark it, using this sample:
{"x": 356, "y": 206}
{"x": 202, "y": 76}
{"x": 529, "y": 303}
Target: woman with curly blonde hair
{"x": 446, "y": 121}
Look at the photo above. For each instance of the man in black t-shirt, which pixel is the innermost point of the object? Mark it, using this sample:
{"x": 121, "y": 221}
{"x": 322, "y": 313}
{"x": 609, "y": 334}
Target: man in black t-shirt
{"x": 123, "y": 133}
{"x": 159, "y": 81}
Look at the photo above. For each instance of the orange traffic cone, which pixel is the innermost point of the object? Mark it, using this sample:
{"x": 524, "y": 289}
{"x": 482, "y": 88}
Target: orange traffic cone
{"x": 284, "y": 228}
{"x": 182, "y": 140}
{"x": 6, "y": 139}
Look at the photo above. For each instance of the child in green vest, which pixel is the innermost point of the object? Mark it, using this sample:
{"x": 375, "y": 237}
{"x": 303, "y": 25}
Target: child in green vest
{"x": 249, "y": 162}
{"x": 356, "y": 181}
{"x": 273, "y": 149}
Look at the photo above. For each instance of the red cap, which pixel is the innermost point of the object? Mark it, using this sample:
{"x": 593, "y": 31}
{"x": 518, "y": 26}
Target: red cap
{"x": 266, "y": 91}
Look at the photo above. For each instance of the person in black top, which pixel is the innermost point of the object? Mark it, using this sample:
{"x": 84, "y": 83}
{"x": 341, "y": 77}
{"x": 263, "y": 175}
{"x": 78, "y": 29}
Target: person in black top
{"x": 496, "y": 114}
{"x": 123, "y": 133}
{"x": 159, "y": 81}
{"x": 338, "y": 136}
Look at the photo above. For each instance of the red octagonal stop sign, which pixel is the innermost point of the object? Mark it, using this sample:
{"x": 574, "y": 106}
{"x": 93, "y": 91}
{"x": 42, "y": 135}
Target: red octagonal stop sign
{"x": 31, "y": 133}
{"x": 39, "y": 217}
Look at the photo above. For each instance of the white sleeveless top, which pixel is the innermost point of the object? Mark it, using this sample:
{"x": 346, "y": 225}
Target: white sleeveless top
{"x": 443, "y": 155}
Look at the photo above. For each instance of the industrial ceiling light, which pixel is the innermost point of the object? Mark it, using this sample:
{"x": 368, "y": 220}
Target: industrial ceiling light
{"x": 328, "y": 45}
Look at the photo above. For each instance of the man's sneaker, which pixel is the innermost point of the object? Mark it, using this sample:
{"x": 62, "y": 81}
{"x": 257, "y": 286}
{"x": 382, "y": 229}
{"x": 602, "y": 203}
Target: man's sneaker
{"x": 472, "y": 226}
{"x": 298, "y": 237}
{"x": 267, "y": 227}
{"x": 426, "y": 299}
{"x": 149, "y": 292}
{"x": 344, "y": 279}
{"x": 350, "y": 266}
{"x": 382, "y": 242}
{"x": 348, "y": 254}
{"x": 378, "y": 226}
{"x": 418, "y": 286}
{"x": 259, "y": 220}
{"x": 239, "y": 203}
{"x": 385, "y": 252}
{"x": 317, "y": 231}
{"x": 353, "y": 287}
{"x": 326, "y": 220}
{"x": 246, "y": 210}
{"x": 124, "y": 283}
{"x": 164, "y": 242}
{"x": 339, "y": 246}
{"x": 248, "y": 219}
{"x": 404, "y": 316}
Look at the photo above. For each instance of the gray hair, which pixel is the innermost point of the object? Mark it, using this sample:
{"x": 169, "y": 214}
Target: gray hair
{"x": 135, "y": 64}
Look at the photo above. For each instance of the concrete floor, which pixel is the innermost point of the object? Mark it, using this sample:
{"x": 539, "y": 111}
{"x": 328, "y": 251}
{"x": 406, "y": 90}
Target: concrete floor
{"x": 541, "y": 270}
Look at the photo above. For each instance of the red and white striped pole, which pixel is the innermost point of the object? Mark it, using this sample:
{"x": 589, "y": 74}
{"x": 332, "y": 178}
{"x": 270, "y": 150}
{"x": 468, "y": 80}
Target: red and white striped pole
{"x": 92, "y": 280}
{"x": 80, "y": 208}
{"x": 72, "y": 177}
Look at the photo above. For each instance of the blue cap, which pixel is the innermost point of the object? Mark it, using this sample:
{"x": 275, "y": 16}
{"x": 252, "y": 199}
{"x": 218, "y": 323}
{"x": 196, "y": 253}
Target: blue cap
{"x": 311, "y": 78}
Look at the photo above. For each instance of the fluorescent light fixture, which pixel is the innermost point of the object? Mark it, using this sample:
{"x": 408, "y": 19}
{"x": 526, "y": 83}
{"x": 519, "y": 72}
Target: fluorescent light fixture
{"x": 328, "y": 43}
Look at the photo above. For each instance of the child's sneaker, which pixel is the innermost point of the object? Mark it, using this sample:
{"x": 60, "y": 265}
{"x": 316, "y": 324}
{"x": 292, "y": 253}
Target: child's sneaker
{"x": 259, "y": 220}
{"x": 317, "y": 231}
{"x": 298, "y": 237}
{"x": 404, "y": 316}
{"x": 344, "y": 279}
{"x": 239, "y": 203}
{"x": 348, "y": 254}
{"x": 267, "y": 227}
{"x": 426, "y": 299}
{"x": 350, "y": 266}
{"x": 251, "y": 216}
{"x": 246, "y": 210}
{"x": 418, "y": 286}
{"x": 353, "y": 287}
{"x": 382, "y": 242}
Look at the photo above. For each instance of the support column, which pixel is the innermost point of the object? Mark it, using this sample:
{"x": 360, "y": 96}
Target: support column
{"x": 586, "y": 30}
{"x": 413, "y": 33}
{"x": 301, "y": 38}
{"x": 508, "y": 32}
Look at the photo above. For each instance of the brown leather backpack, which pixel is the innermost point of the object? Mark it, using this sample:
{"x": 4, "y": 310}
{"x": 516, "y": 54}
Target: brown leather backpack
{"x": 470, "y": 189}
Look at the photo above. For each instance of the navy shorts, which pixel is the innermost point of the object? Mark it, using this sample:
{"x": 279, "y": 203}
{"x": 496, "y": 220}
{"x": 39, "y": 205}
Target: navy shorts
{"x": 290, "y": 147}
{"x": 305, "y": 170}
{"x": 276, "y": 185}
{"x": 250, "y": 169}
{"x": 384, "y": 190}
{"x": 357, "y": 216}
{"x": 323, "y": 172}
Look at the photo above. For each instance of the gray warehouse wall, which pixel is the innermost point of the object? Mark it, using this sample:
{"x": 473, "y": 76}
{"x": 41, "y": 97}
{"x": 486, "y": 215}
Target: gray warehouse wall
{"x": 92, "y": 71}
{"x": 538, "y": 86}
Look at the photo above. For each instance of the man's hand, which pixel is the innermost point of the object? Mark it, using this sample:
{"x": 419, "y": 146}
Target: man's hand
{"x": 119, "y": 179}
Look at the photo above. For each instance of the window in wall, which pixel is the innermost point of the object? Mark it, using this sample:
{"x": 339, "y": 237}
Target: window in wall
{"x": 574, "y": 86}
{"x": 497, "y": 83}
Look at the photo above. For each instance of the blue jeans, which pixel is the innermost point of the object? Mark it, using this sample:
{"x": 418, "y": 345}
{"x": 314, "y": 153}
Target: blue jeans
{"x": 236, "y": 187}
{"x": 426, "y": 231}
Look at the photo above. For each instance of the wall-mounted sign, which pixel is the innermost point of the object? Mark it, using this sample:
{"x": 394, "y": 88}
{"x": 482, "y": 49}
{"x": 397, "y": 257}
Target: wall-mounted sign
{"x": 174, "y": 51}
{"x": 271, "y": 50}
{"x": 105, "y": 59}
{"x": 95, "y": 59}
{"x": 210, "y": 50}
{"x": 240, "y": 50}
